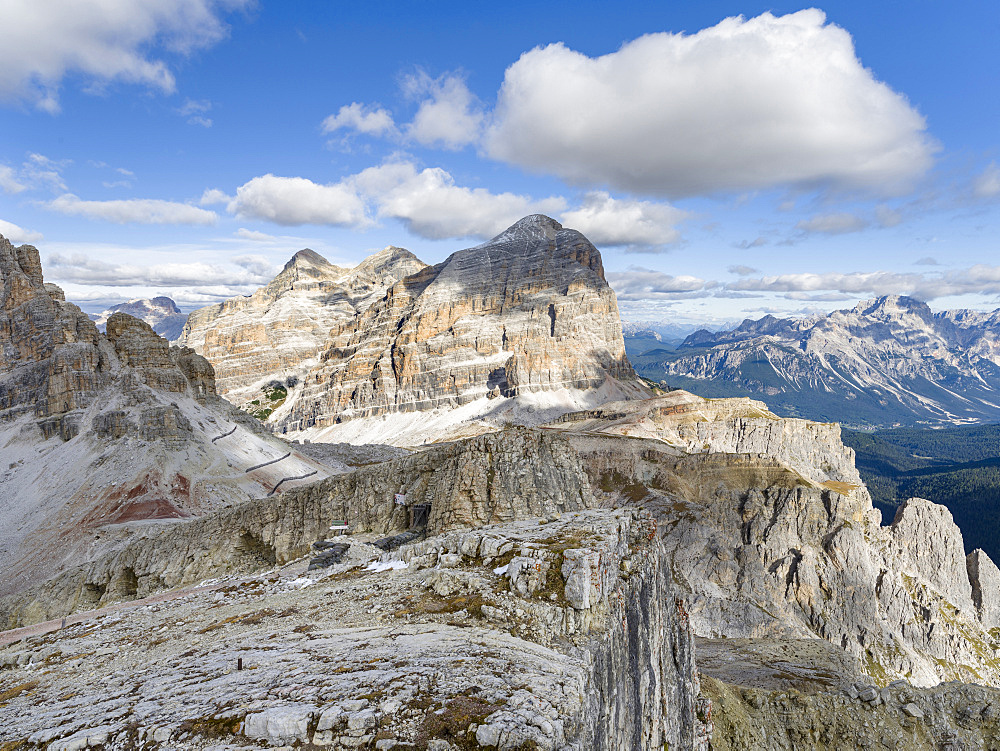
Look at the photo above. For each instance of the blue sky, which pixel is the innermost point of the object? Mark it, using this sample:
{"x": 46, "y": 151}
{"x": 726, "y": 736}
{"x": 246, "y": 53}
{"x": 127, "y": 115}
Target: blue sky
{"x": 729, "y": 159}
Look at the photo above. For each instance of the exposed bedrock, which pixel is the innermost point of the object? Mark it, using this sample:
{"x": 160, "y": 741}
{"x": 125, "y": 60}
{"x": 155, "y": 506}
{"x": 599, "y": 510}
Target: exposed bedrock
{"x": 761, "y": 551}
{"x": 446, "y": 652}
{"x": 527, "y": 311}
{"x": 514, "y": 474}
{"x": 51, "y": 356}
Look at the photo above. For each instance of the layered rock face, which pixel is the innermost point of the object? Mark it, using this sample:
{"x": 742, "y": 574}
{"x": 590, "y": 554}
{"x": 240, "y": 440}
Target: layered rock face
{"x": 885, "y": 361}
{"x": 104, "y": 432}
{"x": 279, "y": 331}
{"x": 522, "y": 327}
{"x": 528, "y": 311}
{"x": 51, "y": 360}
{"x": 772, "y": 534}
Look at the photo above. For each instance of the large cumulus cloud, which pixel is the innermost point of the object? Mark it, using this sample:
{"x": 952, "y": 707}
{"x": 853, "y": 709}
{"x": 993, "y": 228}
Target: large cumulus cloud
{"x": 746, "y": 104}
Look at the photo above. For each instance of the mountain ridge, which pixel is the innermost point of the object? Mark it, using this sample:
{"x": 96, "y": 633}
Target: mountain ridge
{"x": 525, "y": 320}
{"x": 885, "y": 361}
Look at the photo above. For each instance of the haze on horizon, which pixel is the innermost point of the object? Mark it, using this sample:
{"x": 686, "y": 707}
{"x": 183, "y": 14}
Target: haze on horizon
{"x": 729, "y": 159}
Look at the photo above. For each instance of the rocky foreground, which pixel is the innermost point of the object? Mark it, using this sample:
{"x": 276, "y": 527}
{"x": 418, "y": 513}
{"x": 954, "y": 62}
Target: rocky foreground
{"x": 673, "y": 570}
{"x": 561, "y": 634}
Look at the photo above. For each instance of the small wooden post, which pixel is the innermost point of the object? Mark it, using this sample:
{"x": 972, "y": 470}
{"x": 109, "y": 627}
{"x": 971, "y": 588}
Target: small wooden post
{"x": 239, "y": 663}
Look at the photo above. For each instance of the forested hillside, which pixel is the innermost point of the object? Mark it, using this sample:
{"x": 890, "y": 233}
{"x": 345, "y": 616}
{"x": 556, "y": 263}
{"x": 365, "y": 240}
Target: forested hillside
{"x": 958, "y": 467}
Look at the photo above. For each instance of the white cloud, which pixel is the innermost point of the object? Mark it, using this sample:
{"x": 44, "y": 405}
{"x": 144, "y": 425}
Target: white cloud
{"x": 833, "y": 224}
{"x": 296, "y": 200}
{"x": 747, "y": 104}
{"x": 611, "y": 221}
{"x": 645, "y": 284}
{"x": 133, "y": 210}
{"x": 82, "y": 269}
{"x": 194, "y": 107}
{"x": 40, "y": 171}
{"x": 213, "y": 197}
{"x": 194, "y": 111}
{"x": 372, "y": 121}
{"x": 987, "y": 183}
{"x": 432, "y": 206}
{"x": 979, "y": 279}
{"x": 254, "y": 235}
{"x": 104, "y": 41}
{"x": 741, "y": 270}
{"x": 449, "y": 114}
{"x": 9, "y": 182}
{"x": 17, "y": 234}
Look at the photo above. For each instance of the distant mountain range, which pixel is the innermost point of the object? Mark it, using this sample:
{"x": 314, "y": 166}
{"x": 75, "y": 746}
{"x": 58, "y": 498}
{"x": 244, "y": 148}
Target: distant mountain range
{"x": 161, "y": 313}
{"x": 885, "y": 362}
{"x": 643, "y": 336}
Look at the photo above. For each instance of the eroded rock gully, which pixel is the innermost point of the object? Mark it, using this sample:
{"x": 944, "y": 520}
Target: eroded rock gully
{"x": 102, "y": 434}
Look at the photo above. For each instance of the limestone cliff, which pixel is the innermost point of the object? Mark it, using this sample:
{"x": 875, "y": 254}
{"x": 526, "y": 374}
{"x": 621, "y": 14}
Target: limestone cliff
{"x": 279, "y": 330}
{"x": 527, "y": 312}
{"x": 102, "y": 433}
{"x": 51, "y": 358}
{"x": 771, "y": 533}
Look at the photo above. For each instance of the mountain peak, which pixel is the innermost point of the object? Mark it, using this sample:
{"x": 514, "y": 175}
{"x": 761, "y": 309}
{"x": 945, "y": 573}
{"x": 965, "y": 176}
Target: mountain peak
{"x": 892, "y": 304}
{"x": 306, "y": 257}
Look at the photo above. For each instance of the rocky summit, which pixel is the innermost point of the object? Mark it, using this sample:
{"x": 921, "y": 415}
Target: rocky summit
{"x": 279, "y": 331}
{"x": 884, "y": 362}
{"x": 522, "y": 327}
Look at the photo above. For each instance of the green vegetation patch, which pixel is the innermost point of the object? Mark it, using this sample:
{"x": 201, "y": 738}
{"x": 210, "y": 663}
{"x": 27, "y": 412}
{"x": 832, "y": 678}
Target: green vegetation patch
{"x": 453, "y": 723}
{"x": 273, "y": 396}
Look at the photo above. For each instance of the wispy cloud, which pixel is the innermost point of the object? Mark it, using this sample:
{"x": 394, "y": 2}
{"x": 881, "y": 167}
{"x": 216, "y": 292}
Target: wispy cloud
{"x": 196, "y": 112}
{"x": 133, "y": 210}
{"x": 83, "y": 269}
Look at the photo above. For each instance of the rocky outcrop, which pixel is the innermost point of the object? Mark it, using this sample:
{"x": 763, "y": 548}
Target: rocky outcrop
{"x": 784, "y": 543}
{"x": 102, "y": 432}
{"x": 985, "y": 579}
{"x": 726, "y": 426}
{"x": 886, "y": 361}
{"x": 525, "y": 312}
{"x": 51, "y": 359}
{"x": 277, "y": 332}
{"x": 435, "y": 648}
